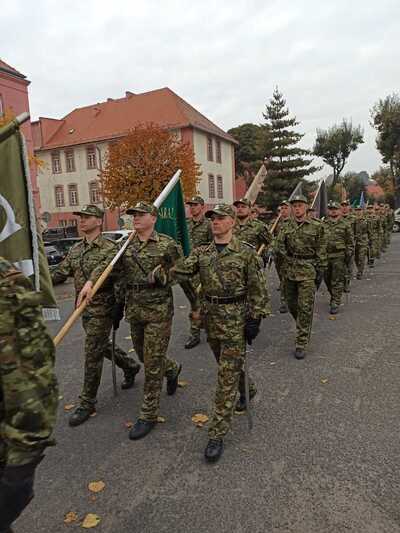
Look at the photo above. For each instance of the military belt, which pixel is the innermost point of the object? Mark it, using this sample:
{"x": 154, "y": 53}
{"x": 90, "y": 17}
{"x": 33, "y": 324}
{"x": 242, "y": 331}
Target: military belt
{"x": 225, "y": 299}
{"x": 299, "y": 256}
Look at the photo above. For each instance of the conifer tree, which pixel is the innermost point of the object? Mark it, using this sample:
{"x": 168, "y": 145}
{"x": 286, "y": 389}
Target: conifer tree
{"x": 288, "y": 163}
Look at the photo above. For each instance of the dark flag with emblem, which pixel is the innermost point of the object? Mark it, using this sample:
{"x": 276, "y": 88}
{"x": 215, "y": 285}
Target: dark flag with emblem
{"x": 171, "y": 214}
{"x": 20, "y": 241}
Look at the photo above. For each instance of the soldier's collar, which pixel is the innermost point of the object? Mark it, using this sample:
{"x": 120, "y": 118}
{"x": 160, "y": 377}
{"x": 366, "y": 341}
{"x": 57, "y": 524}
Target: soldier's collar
{"x": 153, "y": 237}
{"x": 96, "y": 241}
{"x": 234, "y": 245}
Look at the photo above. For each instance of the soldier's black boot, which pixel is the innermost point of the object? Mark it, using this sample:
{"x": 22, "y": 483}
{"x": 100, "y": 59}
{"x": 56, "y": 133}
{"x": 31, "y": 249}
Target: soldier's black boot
{"x": 299, "y": 353}
{"x": 214, "y": 450}
{"x": 80, "y": 415}
{"x": 241, "y": 403}
{"x": 129, "y": 377}
{"x": 192, "y": 341}
{"x": 141, "y": 429}
{"x": 334, "y": 309}
{"x": 283, "y": 308}
{"x": 172, "y": 382}
{"x": 359, "y": 275}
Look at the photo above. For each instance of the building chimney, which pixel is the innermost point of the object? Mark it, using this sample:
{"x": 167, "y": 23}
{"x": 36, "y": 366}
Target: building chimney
{"x": 128, "y": 94}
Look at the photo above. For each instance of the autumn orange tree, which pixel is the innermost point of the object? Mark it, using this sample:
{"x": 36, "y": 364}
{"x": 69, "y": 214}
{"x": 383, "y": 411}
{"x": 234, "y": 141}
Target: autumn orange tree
{"x": 140, "y": 165}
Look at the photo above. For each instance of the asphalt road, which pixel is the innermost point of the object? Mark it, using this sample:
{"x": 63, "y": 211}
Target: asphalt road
{"x": 323, "y": 456}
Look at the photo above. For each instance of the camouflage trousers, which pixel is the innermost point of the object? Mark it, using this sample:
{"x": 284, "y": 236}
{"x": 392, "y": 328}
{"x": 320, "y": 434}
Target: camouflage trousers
{"x": 195, "y": 324}
{"x": 98, "y": 347}
{"x": 230, "y": 356}
{"x": 300, "y": 297}
{"x": 280, "y": 270}
{"x": 150, "y": 340}
{"x": 348, "y": 273}
{"x": 335, "y": 278}
{"x": 360, "y": 257}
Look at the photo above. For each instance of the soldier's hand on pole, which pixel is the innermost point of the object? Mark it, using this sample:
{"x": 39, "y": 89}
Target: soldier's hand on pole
{"x": 85, "y": 294}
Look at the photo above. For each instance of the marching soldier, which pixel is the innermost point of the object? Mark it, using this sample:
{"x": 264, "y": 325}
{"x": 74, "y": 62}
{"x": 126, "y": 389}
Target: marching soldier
{"x": 303, "y": 245}
{"x": 146, "y": 294}
{"x": 200, "y": 233}
{"x": 350, "y": 218}
{"x": 28, "y": 392}
{"x": 373, "y": 235}
{"x": 253, "y": 232}
{"x": 340, "y": 250}
{"x": 361, "y": 242}
{"x": 85, "y": 262}
{"x": 236, "y": 298}
{"x": 280, "y": 265}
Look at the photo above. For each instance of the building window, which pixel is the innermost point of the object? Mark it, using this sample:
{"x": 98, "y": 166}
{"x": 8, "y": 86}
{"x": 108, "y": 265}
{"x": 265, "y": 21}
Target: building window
{"x": 211, "y": 186}
{"x": 56, "y": 162}
{"x": 70, "y": 160}
{"x": 91, "y": 157}
{"x": 73, "y": 194}
{"x": 59, "y": 193}
{"x": 210, "y": 155}
{"x": 218, "y": 151}
{"x": 220, "y": 187}
{"x": 94, "y": 193}
{"x": 1, "y": 106}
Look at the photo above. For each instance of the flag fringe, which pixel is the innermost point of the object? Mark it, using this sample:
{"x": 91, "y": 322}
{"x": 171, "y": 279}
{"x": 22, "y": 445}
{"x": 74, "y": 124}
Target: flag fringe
{"x": 51, "y": 313}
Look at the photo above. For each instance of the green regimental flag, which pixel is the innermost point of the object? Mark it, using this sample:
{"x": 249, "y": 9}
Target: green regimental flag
{"x": 172, "y": 218}
{"x": 20, "y": 242}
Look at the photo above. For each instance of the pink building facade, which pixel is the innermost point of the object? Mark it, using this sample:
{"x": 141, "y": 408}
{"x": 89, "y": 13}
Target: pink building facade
{"x": 14, "y": 100}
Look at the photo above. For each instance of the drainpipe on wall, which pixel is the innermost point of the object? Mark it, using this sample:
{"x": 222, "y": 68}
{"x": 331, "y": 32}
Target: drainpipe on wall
{"x": 100, "y": 169}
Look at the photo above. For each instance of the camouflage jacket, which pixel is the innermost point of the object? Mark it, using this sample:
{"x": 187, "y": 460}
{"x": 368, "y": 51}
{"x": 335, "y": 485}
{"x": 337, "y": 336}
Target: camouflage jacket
{"x": 373, "y": 227}
{"x": 351, "y": 220}
{"x": 253, "y": 232}
{"x": 143, "y": 301}
{"x": 304, "y": 247}
{"x": 86, "y": 261}
{"x": 236, "y": 271}
{"x": 199, "y": 232}
{"x": 339, "y": 238}
{"x": 361, "y": 232}
{"x": 28, "y": 386}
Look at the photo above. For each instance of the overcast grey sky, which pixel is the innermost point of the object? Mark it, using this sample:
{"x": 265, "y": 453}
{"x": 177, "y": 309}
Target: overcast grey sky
{"x": 331, "y": 59}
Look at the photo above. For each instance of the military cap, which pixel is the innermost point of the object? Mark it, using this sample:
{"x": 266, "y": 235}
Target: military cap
{"x": 90, "y": 210}
{"x": 358, "y": 208}
{"x": 284, "y": 202}
{"x": 344, "y": 202}
{"x": 333, "y": 205}
{"x": 196, "y": 200}
{"x": 370, "y": 206}
{"x": 224, "y": 210}
{"x": 298, "y": 198}
{"x": 142, "y": 207}
{"x": 244, "y": 201}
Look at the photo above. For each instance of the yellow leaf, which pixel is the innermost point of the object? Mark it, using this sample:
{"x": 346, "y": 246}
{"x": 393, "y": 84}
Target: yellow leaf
{"x": 200, "y": 419}
{"x": 91, "y": 520}
{"x": 70, "y": 517}
{"x": 323, "y": 381}
{"x": 69, "y": 406}
{"x": 332, "y": 318}
{"x": 127, "y": 338}
{"x": 93, "y": 414}
{"x": 182, "y": 383}
{"x": 160, "y": 419}
{"x": 131, "y": 350}
{"x": 96, "y": 486}
{"x": 128, "y": 424}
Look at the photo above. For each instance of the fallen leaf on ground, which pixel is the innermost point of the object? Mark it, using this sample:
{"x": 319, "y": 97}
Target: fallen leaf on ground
{"x": 161, "y": 419}
{"x": 273, "y": 363}
{"x": 69, "y": 406}
{"x": 182, "y": 383}
{"x": 182, "y": 306}
{"x": 93, "y": 414}
{"x": 70, "y": 517}
{"x": 332, "y": 318}
{"x": 127, "y": 338}
{"x": 131, "y": 350}
{"x": 199, "y": 419}
{"x": 60, "y": 397}
{"x": 323, "y": 381}
{"x": 128, "y": 424}
{"x": 91, "y": 520}
{"x": 96, "y": 486}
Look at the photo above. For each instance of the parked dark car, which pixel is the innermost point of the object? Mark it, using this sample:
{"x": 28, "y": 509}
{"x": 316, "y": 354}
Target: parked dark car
{"x": 52, "y": 234}
{"x": 53, "y": 255}
{"x": 63, "y": 245}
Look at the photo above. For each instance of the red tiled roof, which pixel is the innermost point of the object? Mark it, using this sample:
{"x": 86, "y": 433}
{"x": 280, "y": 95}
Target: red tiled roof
{"x": 375, "y": 190}
{"x": 11, "y": 70}
{"x": 113, "y": 118}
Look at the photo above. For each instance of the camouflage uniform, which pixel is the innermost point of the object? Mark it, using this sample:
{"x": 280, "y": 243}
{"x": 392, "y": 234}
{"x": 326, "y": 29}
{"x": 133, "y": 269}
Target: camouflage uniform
{"x": 373, "y": 232}
{"x": 234, "y": 273}
{"x": 28, "y": 387}
{"x": 149, "y": 309}
{"x": 350, "y": 218}
{"x": 280, "y": 263}
{"x": 304, "y": 248}
{"x": 361, "y": 244}
{"x": 253, "y": 232}
{"x": 340, "y": 249}
{"x": 200, "y": 234}
{"x": 86, "y": 261}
